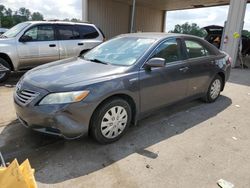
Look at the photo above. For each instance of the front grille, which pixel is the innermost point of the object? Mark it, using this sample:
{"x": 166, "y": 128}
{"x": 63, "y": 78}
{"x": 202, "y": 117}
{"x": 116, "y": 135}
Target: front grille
{"x": 26, "y": 96}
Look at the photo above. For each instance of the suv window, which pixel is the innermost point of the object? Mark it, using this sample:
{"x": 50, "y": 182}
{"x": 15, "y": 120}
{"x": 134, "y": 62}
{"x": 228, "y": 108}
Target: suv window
{"x": 195, "y": 49}
{"x": 169, "y": 50}
{"x": 87, "y": 32}
{"x": 41, "y": 33}
{"x": 67, "y": 32}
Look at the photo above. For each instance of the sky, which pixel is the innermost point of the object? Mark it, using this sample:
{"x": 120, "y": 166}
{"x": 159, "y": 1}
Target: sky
{"x": 62, "y": 9}
{"x": 203, "y": 17}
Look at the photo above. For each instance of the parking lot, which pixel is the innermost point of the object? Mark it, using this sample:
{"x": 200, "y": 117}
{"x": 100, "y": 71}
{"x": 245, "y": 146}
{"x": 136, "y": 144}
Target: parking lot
{"x": 191, "y": 144}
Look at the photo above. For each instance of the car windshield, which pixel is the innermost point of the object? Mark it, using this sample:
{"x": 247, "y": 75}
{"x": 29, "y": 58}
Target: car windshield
{"x": 15, "y": 30}
{"x": 123, "y": 51}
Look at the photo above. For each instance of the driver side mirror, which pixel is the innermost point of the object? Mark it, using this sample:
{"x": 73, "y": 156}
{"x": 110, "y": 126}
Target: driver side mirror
{"x": 155, "y": 62}
{"x": 25, "y": 38}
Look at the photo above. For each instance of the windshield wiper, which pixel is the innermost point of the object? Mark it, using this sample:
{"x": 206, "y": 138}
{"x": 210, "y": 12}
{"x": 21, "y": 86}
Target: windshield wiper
{"x": 3, "y": 36}
{"x": 98, "y": 61}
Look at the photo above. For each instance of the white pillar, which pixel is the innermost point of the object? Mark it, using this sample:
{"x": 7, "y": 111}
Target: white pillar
{"x": 85, "y": 11}
{"x": 234, "y": 24}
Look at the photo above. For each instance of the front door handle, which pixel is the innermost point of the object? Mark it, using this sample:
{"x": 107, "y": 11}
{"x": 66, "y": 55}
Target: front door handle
{"x": 184, "y": 69}
{"x": 52, "y": 45}
{"x": 80, "y": 44}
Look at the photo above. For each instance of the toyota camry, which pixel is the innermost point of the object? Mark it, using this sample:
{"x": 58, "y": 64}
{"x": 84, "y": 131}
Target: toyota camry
{"x": 119, "y": 82}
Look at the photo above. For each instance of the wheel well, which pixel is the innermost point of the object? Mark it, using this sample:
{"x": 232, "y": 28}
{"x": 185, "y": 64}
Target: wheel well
{"x": 7, "y": 58}
{"x": 125, "y": 97}
{"x": 222, "y": 75}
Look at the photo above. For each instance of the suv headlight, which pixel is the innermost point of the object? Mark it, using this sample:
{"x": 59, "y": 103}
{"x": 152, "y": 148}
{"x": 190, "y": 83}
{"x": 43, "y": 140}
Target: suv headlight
{"x": 64, "y": 97}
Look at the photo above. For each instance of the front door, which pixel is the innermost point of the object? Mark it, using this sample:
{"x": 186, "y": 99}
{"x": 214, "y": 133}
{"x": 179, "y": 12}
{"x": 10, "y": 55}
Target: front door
{"x": 42, "y": 47}
{"x": 165, "y": 85}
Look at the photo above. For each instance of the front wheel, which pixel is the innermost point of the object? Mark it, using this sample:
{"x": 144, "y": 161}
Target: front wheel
{"x": 214, "y": 90}
{"x": 111, "y": 120}
{"x": 3, "y": 66}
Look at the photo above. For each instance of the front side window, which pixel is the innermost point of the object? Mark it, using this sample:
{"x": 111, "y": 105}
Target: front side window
{"x": 123, "y": 51}
{"x": 68, "y": 32}
{"x": 194, "y": 49}
{"x": 169, "y": 50}
{"x": 41, "y": 33}
{"x": 88, "y": 32}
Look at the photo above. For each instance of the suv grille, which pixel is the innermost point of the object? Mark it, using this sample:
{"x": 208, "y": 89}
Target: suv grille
{"x": 26, "y": 96}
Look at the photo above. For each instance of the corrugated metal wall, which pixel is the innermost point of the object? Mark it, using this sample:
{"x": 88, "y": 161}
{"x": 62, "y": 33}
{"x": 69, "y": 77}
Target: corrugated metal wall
{"x": 113, "y": 17}
{"x": 149, "y": 20}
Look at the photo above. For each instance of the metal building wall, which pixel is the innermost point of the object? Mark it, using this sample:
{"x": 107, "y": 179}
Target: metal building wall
{"x": 111, "y": 16}
{"x": 114, "y": 17}
{"x": 148, "y": 19}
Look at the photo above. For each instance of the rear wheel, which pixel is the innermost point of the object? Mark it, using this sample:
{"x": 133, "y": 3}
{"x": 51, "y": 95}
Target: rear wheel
{"x": 111, "y": 120}
{"x": 214, "y": 90}
{"x": 3, "y": 65}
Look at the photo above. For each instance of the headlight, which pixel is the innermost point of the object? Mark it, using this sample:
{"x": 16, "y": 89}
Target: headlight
{"x": 64, "y": 97}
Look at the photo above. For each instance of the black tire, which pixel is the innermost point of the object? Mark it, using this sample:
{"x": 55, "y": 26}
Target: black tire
{"x": 95, "y": 125}
{"x": 4, "y": 76}
{"x": 208, "y": 98}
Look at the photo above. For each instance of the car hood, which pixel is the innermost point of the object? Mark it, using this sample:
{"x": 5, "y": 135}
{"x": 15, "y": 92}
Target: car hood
{"x": 59, "y": 75}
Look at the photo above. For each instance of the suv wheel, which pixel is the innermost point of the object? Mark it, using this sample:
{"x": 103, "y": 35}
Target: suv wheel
{"x": 111, "y": 121}
{"x": 214, "y": 90}
{"x": 3, "y": 65}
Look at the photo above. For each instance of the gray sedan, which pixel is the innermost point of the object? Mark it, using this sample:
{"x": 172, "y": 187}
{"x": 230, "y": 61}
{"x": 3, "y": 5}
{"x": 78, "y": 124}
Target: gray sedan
{"x": 119, "y": 82}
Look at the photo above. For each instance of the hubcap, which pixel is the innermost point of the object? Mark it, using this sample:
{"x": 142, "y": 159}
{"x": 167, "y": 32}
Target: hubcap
{"x": 215, "y": 89}
{"x": 114, "y": 122}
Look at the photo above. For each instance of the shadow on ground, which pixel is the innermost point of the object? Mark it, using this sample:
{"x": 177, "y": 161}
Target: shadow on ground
{"x": 57, "y": 160}
{"x": 13, "y": 79}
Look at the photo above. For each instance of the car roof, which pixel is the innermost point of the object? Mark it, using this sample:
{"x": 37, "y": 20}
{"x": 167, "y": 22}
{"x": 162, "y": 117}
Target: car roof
{"x": 156, "y": 35}
{"x": 60, "y": 22}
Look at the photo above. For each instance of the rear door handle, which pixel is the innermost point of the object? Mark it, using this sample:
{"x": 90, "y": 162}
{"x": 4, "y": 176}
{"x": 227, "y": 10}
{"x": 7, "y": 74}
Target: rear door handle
{"x": 52, "y": 45}
{"x": 80, "y": 44}
{"x": 184, "y": 69}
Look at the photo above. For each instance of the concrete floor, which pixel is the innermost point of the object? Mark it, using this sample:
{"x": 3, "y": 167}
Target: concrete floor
{"x": 189, "y": 145}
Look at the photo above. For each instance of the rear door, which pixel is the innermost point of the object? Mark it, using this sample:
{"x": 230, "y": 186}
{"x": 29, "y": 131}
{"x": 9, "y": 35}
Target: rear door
{"x": 89, "y": 36}
{"x": 41, "y": 48}
{"x": 164, "y": 85}
{"x": 201, "y": 65}
{"x": 69, "y": 41}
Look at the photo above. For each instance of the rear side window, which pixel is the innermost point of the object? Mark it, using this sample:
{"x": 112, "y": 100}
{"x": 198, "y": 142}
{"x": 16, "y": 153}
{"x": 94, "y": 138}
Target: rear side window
{"x": 169, "y": 50}
{"x": 87, "y": 32}
{"x": 195, "y": 49}
{"x": 67, "y": 32}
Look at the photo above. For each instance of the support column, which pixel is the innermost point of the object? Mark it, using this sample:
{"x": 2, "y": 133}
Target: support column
{"x": 133, "y": 17}
{"x": 234, "y": 24}
{"x": 85, "y": 11}
{"x": 165, "y": 29}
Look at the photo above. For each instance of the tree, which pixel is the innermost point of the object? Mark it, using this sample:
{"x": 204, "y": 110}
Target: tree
{"x": 37, "y": 16}
{"x": 75, "y": 20}
{"x": 25, "y": 13}
{"x": 192, "y": 29}
{"x": 246, "y": 33}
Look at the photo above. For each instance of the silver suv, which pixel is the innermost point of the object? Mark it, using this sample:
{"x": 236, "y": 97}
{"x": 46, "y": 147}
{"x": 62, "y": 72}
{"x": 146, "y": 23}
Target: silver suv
{"x": 30, "y": 44}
